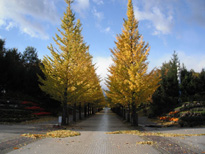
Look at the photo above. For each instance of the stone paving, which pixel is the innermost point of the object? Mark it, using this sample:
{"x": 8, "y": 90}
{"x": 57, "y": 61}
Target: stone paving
{"x": 10, "y": 134}
{"x": 94, "y": 140}
{"x": 190, "y": 144}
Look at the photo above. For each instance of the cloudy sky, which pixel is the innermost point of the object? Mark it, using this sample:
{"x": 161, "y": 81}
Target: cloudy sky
{"x": 167, "y": 25}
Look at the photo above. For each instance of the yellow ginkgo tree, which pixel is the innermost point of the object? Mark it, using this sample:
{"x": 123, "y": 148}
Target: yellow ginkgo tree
{"x": 129, "y": 82}
{"x": 67, "y": 73}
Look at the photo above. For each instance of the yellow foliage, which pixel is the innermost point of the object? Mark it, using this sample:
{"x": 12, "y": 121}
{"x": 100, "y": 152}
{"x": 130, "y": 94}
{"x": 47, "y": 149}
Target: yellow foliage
{"x": 69, "y": 73}
{"x": 129, "y": 79}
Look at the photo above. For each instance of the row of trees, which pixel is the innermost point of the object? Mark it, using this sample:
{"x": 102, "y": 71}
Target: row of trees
{"x": 129, "y": 83}
{"x": 69, "y": 75}
{"x": 178, "y": 85}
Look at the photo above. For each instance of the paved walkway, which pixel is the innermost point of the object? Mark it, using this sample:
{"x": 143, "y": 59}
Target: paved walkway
{"x": 93, "y": 139}
{"x": 10, "y": 134}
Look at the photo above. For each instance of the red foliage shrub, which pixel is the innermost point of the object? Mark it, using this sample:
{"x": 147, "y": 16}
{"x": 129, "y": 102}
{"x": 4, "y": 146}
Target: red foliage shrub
{"x": 30, "y": 103}
{"x": 173, "y": 112}
{"x": 41, "y": 113}
{"x": 34, "y": 108}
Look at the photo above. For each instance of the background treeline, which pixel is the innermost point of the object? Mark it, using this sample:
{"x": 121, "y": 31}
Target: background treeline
{"x": 18, "y": 75}
{"x": 172, "y": 92}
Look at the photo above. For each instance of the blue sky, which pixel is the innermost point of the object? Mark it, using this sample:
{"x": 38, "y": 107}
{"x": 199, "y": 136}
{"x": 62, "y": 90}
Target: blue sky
{"x": 167, "y": 25}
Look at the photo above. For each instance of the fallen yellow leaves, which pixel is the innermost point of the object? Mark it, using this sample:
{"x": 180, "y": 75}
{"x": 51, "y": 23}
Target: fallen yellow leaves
{"x": 143, "y": 133}
{"x": 34, "y": 135}
{"x": 147, "y": 142}
{"x": 54, "y": 134}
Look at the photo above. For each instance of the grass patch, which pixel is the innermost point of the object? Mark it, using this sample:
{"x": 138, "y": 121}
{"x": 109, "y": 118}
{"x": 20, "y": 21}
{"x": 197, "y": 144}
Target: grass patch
{"x": 143, "y": 133}
{"x": 54, "y": 134}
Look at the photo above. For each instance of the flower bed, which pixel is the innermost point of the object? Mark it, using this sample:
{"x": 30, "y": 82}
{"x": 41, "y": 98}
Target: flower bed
{"x": 41, "y": 113}
{"x": 165, "y": 118}
{"x": 34, "y": 108}
{"x": 28, "y": 103}
{"x": 171, "y": 116}
{"x": 189, "y": 114}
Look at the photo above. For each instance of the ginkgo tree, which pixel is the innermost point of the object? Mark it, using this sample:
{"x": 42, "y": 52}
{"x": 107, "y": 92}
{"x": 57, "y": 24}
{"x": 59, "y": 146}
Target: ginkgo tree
{"x": 67, "y": 74}
{"x": 129, "y": 82}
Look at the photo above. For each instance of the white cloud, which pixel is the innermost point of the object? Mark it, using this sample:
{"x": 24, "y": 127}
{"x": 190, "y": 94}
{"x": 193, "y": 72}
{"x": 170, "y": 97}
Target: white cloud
{"x": 81, "y": 6}
{"x": 98, "y": 15}
{"x": 102, "y": 64}
{"x": 98, "y": 2}
{"x": 159, "y": 14}
{"x": 107, "y": 30}
{"x": 10, "y": 26}
{"x": 194, "y": 61}
{"x": 2, "y": 22}
{"x": 157, "y": 62}
{"x": 28, "y": 16}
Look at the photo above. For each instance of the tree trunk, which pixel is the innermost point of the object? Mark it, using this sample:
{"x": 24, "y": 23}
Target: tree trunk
{"x": 134, "y": 114}
{"x": 65, "y": 109}
{"x": 88, "y": 109}
{"x": 128, "y": 117}
{"x": 80, "y": 108}
{"x": 68, "y": 121}
{"x": 85, "y": 110}
{"x": 124, "y": 113}
{"x": 93, "y": 110}
{"x": 74, "y": 112}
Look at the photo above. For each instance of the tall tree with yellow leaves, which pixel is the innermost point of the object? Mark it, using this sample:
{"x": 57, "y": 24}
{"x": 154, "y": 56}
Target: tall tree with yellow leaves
{"x": 129, "y": 83}
{"x": 66, "y": 71}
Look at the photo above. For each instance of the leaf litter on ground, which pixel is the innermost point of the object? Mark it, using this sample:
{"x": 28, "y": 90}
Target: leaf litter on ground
{"x": 144, "y": 133}
{"x": 146, "y": 142}
{"x": 54, "y": 134}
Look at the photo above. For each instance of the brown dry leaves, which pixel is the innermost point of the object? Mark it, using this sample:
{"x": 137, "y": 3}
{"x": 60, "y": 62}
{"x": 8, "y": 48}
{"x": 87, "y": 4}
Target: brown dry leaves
{"x": 54, "y": 134}
{"x": 143, "y": 133}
